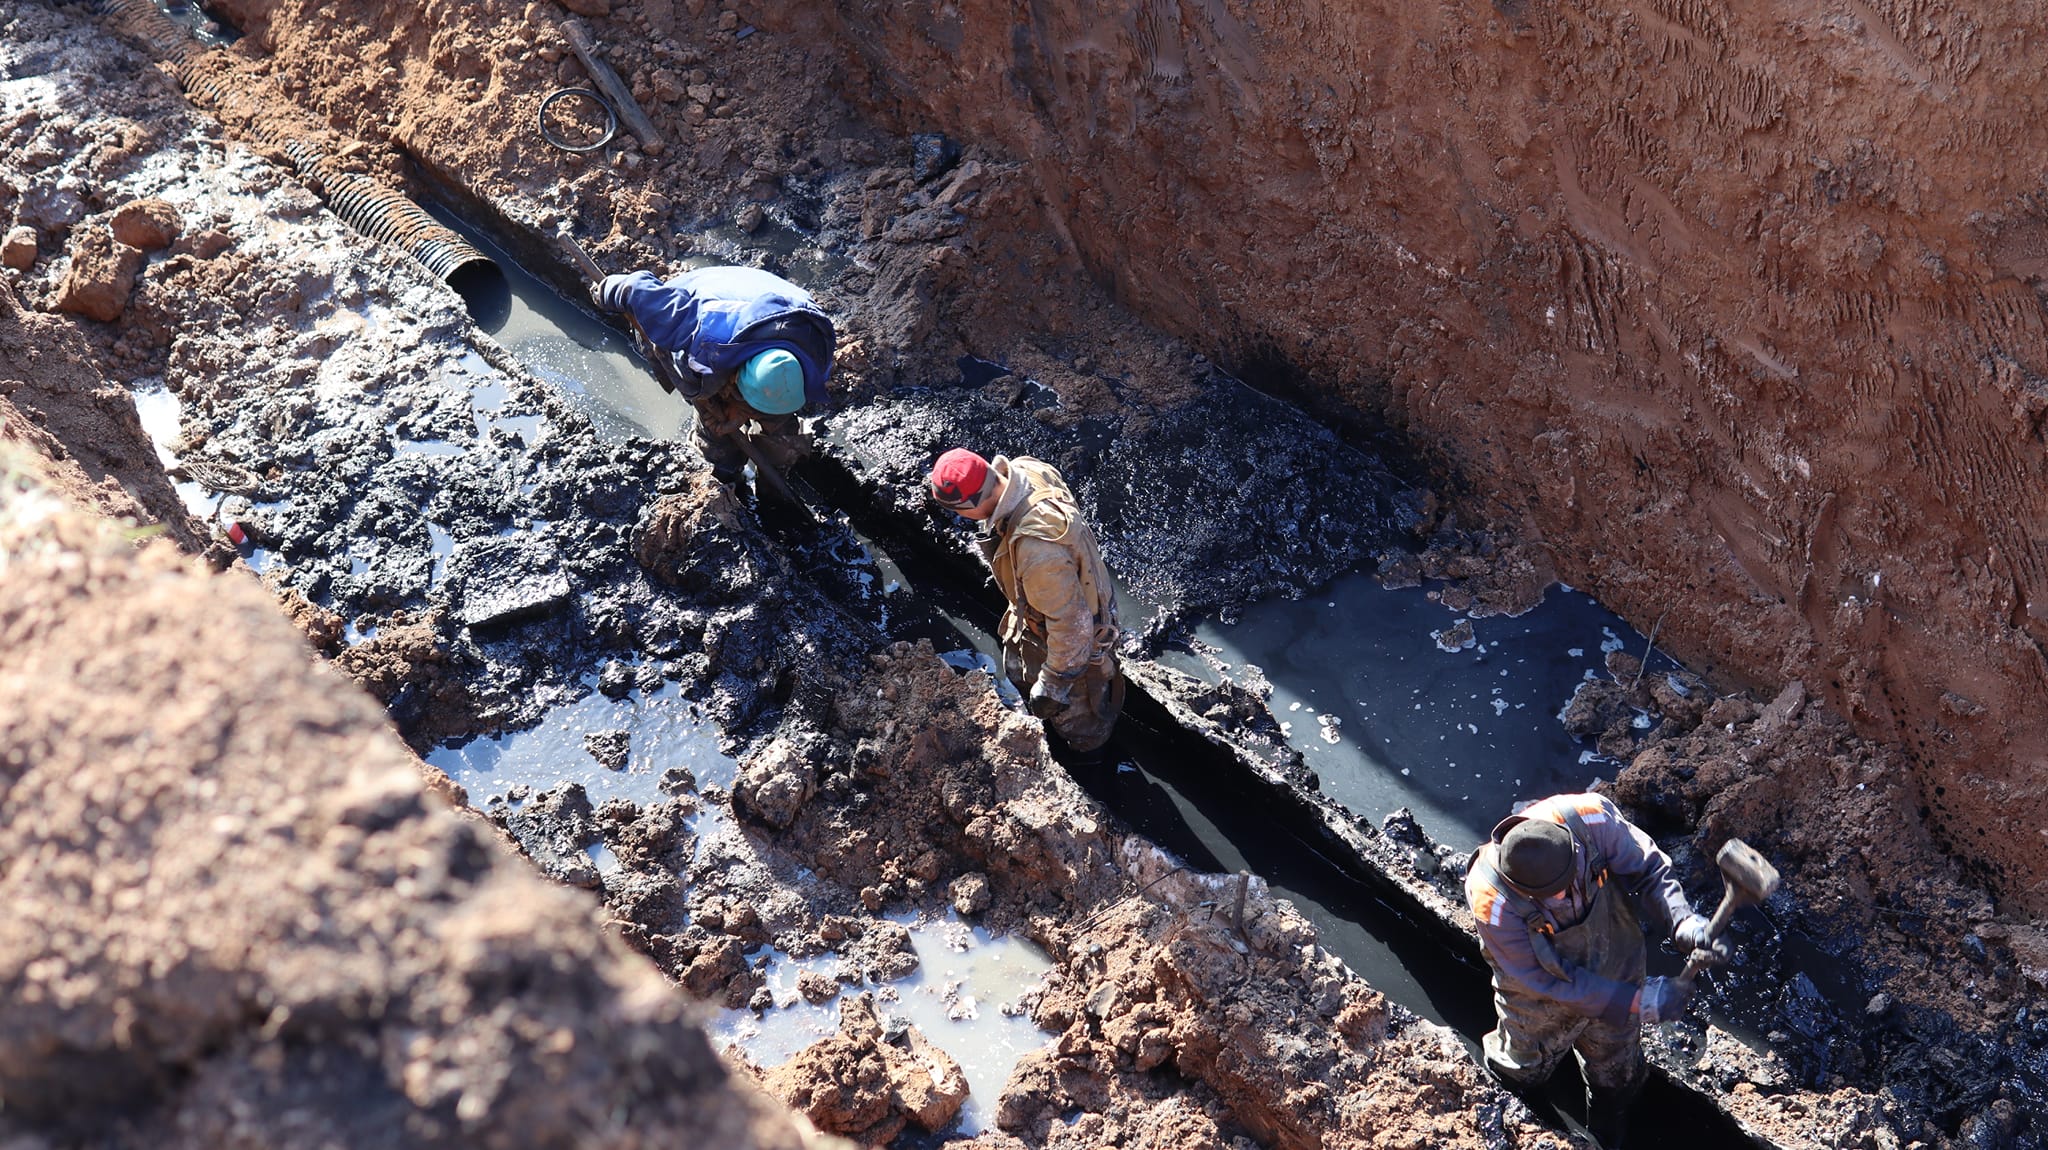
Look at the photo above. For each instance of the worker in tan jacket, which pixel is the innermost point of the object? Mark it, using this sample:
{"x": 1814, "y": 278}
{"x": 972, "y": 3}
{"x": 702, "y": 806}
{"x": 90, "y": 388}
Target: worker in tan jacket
{"x": 1059, "y": 635}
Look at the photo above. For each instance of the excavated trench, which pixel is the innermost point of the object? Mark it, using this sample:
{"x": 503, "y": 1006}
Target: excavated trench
{"x": 1194, "y": 793}
{"x": 1172, "y": 784}
{"x": 509, "y": 507}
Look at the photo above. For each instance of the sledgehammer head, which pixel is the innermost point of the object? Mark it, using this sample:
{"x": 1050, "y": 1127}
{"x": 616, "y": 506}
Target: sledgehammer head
{"x": 1750, "y": 877}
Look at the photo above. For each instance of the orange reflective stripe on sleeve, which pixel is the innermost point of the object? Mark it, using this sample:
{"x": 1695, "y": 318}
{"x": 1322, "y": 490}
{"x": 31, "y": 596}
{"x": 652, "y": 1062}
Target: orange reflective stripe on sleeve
{"x": 1487, "y": 905}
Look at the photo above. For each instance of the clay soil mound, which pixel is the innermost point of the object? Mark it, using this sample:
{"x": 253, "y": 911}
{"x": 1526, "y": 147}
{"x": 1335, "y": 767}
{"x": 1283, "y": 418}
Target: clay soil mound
{"x": 236, "y": 918}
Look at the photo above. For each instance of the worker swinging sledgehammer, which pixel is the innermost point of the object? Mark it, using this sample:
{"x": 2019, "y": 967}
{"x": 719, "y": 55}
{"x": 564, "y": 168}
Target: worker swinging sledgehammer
{"x": 1561, "y": 893}
{"x": 1060, "y": 633}
{"x": 748, "y": 349}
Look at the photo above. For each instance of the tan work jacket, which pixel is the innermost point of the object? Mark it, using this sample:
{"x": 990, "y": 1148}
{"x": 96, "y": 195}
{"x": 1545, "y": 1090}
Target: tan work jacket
{"x": 1048, "y": 566}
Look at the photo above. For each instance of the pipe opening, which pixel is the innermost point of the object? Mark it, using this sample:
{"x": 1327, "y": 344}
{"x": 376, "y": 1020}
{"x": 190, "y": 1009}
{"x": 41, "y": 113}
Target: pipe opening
{"x": 485, "y": 291}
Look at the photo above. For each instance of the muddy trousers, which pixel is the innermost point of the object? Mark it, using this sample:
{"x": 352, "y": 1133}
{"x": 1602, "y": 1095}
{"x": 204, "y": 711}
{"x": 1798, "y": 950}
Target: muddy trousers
{"x": 1086, "y": 722}
{"x": 1532, "y": 1040}
{"x": 779, "y": 438}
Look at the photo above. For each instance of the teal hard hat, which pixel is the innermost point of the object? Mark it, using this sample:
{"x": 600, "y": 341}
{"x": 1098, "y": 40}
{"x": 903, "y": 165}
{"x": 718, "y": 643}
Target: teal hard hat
{"x": 772, "y": 382}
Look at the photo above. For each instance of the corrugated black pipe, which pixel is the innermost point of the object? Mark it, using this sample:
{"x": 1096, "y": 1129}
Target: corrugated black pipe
{"x": 367, "y": 205}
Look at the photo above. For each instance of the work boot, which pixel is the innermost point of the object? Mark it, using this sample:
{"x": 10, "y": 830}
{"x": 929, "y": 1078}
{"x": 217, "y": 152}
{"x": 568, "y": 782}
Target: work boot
{"x": 1530, "y": 1094}
{"x": 1607, "y": 1115}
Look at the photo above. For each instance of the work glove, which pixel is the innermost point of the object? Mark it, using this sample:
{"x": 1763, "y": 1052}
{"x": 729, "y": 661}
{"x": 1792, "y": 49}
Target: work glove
{"x": 609, "y": 293}
{"x": 1049, "y": 696}
{"x": 1664, "y": 1000}
{"x": 1691, "y": 937}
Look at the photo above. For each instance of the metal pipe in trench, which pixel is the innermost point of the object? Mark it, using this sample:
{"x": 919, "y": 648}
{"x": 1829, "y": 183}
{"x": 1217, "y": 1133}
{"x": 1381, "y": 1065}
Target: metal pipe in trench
{"x": 367, "y": 205}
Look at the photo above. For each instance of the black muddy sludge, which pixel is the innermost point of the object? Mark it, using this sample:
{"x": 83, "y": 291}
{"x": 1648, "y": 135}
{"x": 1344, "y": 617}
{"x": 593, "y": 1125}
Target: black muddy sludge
{"x": 497, "y": 501}
{"x": 530, "y": 523}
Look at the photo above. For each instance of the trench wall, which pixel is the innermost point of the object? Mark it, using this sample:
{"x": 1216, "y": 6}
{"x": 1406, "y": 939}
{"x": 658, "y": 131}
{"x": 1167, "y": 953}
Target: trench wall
{"x": 1741, "y": 301}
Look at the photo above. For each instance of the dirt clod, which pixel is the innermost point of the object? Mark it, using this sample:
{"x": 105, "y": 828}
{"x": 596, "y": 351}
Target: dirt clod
{"x": 610, "y": 748}
{"x": 102, "y": 275}
{"x": 148, "y": 225}
{"x": 18, "y": 251}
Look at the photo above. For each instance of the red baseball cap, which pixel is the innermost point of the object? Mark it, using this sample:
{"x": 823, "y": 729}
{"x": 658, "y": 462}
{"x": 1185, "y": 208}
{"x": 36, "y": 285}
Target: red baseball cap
{"x": 958, "y": 477}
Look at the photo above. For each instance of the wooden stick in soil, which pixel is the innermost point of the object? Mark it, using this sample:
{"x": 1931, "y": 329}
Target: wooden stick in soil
{"x": 614, "y": 88}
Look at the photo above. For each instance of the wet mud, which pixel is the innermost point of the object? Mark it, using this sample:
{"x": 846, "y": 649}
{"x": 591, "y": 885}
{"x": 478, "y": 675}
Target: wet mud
{"x": 1696, "y": 295}
{"x": 242, "y": 919}
{"x": 478, "y": 549}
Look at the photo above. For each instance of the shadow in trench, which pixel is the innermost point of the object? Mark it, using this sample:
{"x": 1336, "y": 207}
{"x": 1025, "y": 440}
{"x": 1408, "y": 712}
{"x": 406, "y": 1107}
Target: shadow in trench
{"x": 1175, "y": 788}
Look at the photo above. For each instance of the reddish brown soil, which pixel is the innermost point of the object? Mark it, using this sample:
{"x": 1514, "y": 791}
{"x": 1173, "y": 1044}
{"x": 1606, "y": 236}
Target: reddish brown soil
{"x": 1230, "y": 992}
{"x": 1656, "y": 447}
{"x": 1739, "y": 304}
{"x": 237, "y": 919}
{"x": 55, "y": 404}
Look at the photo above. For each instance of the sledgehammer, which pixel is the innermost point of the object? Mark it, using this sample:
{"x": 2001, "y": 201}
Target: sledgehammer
{"x": 1748, "y": 879}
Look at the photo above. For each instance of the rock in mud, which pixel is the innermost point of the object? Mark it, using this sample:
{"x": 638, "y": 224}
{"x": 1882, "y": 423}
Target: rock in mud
{"x": 102, "y": 275}
{"x": 884, "y": 951}
{"x": 864, "y": 1086}
{"x": 690, "y": 540}
{"x": 1456, "y": 637}
{"x": 497, "y": 581}
{"x": 1400, "y": 826}
{"x": 717, "y": 970}
{"x": 18, "y": 250}
{"x": 970, "y": 894}
{"x": 775, "y": 784}
{"x": 1597, "y": 705}
{"x": 611, "y": 749}
{"x": 932, "y": 155}
{"x": 149, "y": 224}
{"x": 554, "y": 828}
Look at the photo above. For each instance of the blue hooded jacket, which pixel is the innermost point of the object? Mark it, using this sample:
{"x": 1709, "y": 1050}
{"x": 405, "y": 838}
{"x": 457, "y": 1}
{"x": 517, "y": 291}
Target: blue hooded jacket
{"x": 713, "y": 320}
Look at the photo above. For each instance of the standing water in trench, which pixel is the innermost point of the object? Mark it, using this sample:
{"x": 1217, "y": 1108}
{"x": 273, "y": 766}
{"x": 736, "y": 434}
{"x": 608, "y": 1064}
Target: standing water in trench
{"x": 964, "y": 995}
{"x": 564, "y": 345}
{"x": 1355, "y": 642}
{"x": 1396, "y": 702}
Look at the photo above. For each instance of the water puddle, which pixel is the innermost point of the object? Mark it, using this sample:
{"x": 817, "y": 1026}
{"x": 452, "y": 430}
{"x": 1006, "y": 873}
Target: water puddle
{"x": 162, "y": 417}
{"x": 431, "y": 447}
{"x": 965, "y": 996}
{"x": 1395, "y": 701}
{"x": 965, "y": 992}
{"x": 571, "y": 348}
{"x": 663, "y": 730}
{"x": 442, "y": 544}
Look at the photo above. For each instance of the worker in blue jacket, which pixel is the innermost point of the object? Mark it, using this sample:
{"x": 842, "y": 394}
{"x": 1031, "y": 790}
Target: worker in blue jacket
{"x": 1561, "y": 894}
{"x": 746, "y": 347}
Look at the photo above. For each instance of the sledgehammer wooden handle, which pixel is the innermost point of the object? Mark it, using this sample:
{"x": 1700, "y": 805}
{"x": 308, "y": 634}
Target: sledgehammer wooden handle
{"x": 621, "y": 96}
{"x": 1748, "y": 879}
